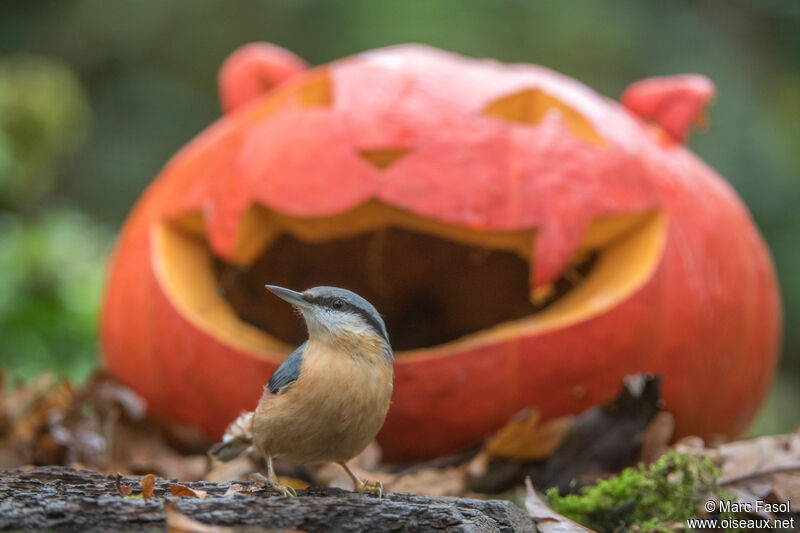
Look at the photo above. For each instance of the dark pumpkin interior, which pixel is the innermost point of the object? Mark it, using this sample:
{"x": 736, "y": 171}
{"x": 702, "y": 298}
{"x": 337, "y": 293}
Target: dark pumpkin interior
{"x": 428, "y": 289}
{"x": 433, "y": 282}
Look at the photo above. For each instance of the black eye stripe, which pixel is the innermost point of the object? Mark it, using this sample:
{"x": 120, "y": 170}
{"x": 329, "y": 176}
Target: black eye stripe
{"x": 327, "y": 301}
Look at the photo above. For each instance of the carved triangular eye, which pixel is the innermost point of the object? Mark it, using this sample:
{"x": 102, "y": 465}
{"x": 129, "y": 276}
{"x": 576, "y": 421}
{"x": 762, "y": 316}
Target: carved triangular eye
{"x": 316, "y": 91}
{"x": 383, "y": 158}
{"x": 530, "y": 106}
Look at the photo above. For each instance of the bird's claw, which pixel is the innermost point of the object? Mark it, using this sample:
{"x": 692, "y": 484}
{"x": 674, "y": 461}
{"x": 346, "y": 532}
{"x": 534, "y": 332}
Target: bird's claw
{"x": 274, "y": 484}
{"x": 370, "y": 487}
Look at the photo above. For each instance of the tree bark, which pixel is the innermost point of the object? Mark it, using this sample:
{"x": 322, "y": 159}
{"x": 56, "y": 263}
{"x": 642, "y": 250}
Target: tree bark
{"x": 65, "y": 500}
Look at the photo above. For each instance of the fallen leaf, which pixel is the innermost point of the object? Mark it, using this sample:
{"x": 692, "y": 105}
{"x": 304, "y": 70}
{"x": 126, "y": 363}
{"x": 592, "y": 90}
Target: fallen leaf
{"x": 148, "y": 483}
{"x": 524, "y": 437}
{"x": 747, "y": 459}
{"x": 602, "y": 440}
{"x": 434, "y": 482}
{"x": 101, "y": 426}
{"x": 657, "y": 437}
{"x": 295, "y": 483}
{"x": 547, "y": 520}
{"x": 478, "y": 466}
{"x": 763, "y": 468}
{"x": 494, "y": 475}
{"x": 182, "y": 491}
{"x": 123, "y": 490}
{"x": 773, "y": 460}
{"x": 751, "y": 496}
{"x": 106, "y": 395}
{"x": 606, "y": 438}
{"x": 689, "y": 444}
{"x": 140, "y": 448}
{"x": 786, "y": 487}
{"x": 233, "y": 470}
{"x": 178, "y": 522}
{"x": 237, "y": 488}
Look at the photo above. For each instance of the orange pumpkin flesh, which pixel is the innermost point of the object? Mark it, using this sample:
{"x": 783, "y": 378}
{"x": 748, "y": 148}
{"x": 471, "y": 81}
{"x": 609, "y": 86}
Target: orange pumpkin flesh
{"x": 528, "y": 242}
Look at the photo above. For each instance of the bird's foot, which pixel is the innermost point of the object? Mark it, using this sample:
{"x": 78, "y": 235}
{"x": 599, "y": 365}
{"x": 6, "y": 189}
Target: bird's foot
{"x": 274, "y": 484}
{"x": 370, "y": 487}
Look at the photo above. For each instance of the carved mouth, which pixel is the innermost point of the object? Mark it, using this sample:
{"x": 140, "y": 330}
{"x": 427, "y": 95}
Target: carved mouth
{"x": 435, "y": 284}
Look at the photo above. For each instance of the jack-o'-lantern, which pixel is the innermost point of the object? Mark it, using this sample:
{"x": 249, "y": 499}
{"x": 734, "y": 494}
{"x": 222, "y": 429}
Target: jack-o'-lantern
{"x": 528, "y": 242}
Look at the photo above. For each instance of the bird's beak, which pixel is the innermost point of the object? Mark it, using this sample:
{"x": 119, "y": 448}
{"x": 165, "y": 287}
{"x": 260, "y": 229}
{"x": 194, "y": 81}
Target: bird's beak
{"x": 293, "y": 297}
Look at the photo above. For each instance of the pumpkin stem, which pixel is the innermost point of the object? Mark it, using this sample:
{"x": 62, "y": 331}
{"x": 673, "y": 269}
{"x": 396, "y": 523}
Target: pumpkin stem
{"x": 675, "y": 103}
{"x": 253, "y": 70}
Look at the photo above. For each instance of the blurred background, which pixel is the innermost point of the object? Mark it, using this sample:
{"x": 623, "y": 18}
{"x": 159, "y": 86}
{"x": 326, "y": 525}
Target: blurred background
{"x": 96, "y": 95}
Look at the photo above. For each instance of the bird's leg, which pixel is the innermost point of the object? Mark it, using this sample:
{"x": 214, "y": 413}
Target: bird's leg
{"x": 364, "y": 485}
{"x": 272, "y": 480}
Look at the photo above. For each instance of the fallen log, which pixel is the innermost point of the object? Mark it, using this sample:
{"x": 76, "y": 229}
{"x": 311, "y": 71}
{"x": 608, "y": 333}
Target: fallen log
{"x": 65, "y": 500}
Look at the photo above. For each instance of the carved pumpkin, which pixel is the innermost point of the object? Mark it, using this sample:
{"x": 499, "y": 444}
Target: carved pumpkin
{"x": 528, "y": 241}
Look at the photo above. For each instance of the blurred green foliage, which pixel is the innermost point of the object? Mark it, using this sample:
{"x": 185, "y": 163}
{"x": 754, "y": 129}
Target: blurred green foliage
{"x": 52, "y": 267}
{"x": 148, "y": 69}
{"x": 51, "y": 257}
{"x": 43, "y": 115}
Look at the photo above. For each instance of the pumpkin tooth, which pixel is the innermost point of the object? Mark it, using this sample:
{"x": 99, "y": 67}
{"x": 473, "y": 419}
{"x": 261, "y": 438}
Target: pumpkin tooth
{"x": 556, "y": 246}
{"x": 542, "y": 293}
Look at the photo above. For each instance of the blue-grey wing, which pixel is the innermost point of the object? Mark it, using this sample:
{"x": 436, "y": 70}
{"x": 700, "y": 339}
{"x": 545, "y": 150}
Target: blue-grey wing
{"x": 288, "y": 372}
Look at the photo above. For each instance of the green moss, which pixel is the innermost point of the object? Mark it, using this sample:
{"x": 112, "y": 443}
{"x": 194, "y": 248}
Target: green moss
{"x": 671, "y": 490}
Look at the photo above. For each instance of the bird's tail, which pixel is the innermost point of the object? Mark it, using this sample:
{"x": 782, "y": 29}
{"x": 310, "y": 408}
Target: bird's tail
{"x": 237, "y": 439}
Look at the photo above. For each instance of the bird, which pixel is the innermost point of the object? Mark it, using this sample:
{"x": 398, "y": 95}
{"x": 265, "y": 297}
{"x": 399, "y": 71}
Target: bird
{"x": 328, "y": 399}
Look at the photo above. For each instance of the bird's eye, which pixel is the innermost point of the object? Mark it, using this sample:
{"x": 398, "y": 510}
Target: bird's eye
{"x": 338, "y": 303}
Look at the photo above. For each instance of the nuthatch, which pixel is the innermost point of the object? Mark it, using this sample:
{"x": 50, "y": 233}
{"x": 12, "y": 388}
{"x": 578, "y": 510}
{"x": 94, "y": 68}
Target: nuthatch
{"x": 329, "y": 398}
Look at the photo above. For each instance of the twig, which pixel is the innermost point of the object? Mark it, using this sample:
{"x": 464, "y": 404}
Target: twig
{"x": 758, "y": 473}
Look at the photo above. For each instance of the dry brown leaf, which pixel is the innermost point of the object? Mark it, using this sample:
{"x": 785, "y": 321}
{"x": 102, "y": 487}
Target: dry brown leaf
{"x": 478, "y": 465}
{"x": 106, "y": 394}
{"x": 178, "y": 522}
{"x": 657, "y": 437}
{"x": 689, "y": 444}
{"x": 234, "y": 470}
{"x": 526, "y": 439}
{"x": 141, "y": 449}
{"x": 123, "y": 490}
{"x": 547, "y": 520}
{"x": 750, "y": 495}
{"x": 100, "y": 426}
{"x": 182, "y": 491}
{"x": 295, "y": 483}
{"x": 604, "y": 438}
{"x": 237, "y": 488}
{"x": 148, "y": 483}
{"x": 761, "y": 456}
{"x": 761, "y": 468}
{"x": 786, "y": 486}
{"x": 434, "y": 482}
{"x": 30, "y": 406}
